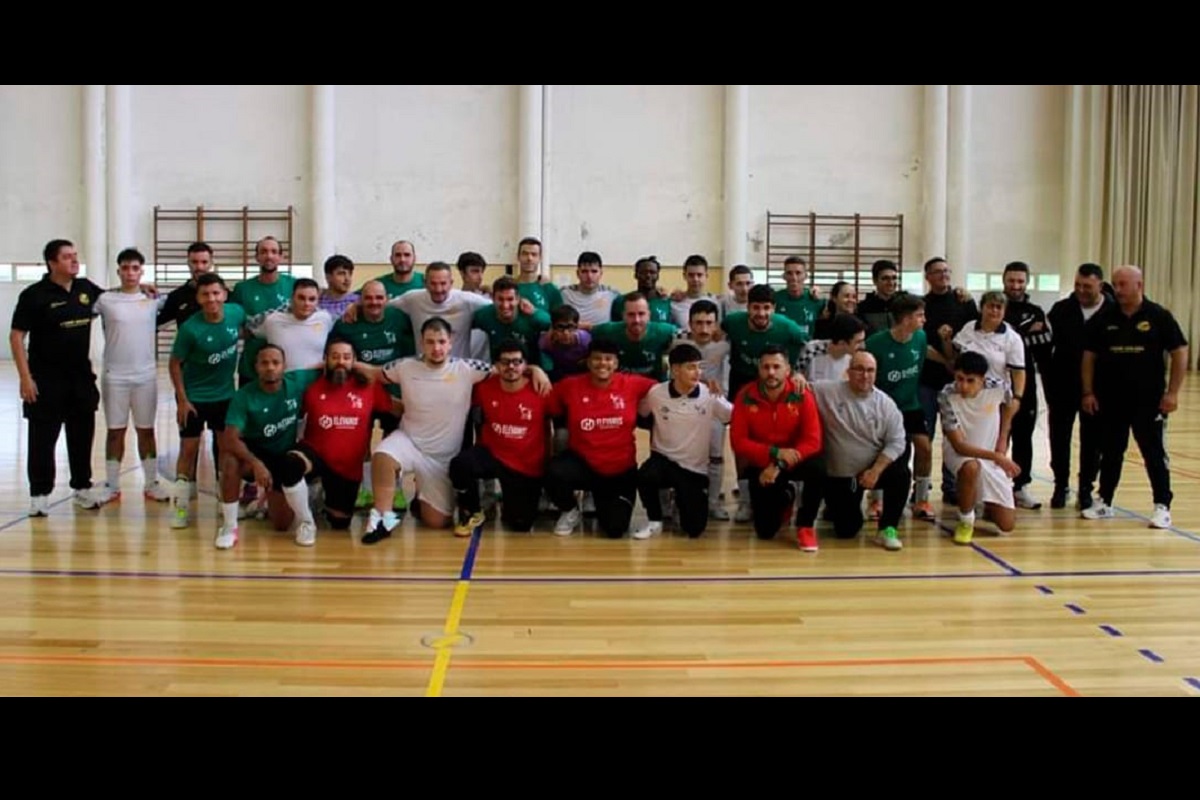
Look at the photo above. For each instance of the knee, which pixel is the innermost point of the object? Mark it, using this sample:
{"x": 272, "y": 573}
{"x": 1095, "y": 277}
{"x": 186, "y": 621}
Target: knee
{"x": 338, "y": 523}
{"x": 293, "y": 470}
{"x": 969, "y": 471}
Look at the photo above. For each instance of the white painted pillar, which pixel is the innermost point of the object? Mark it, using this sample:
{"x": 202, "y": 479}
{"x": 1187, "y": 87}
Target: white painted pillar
{"x": 119, "y": 153}
{"x": 324, "y": 171}
{"x": 935, "y": 160}
{"x": 94, "y": 247}
{"x": 530, "y": 162}
{"x": 958, "y": 233}
{"x": 1075, "y": 185}
{"x": 737, "y": 174}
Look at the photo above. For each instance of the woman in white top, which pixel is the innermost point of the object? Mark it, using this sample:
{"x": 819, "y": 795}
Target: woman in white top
{"x": 998, "y": 343}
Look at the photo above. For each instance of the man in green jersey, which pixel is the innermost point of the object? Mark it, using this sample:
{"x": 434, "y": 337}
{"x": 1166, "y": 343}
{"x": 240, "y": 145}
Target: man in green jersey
{"x": 647, "y": 271}
{"x": 404, "y": 277}
{"x": 532, "y": 286}
{"x": 799, "y": 303}
{"x": 259, "y": 296}
{"x": 642, "y": 344}
{"x": 508, "y": 318}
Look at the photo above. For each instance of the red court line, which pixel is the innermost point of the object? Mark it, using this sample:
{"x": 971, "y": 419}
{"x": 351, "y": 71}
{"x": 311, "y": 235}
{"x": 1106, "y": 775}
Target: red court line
{"x": 537, "y": 666}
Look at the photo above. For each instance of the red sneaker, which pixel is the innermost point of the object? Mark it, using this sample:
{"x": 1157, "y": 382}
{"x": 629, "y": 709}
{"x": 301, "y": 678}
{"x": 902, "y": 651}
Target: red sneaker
{"x": 807, "y": 538}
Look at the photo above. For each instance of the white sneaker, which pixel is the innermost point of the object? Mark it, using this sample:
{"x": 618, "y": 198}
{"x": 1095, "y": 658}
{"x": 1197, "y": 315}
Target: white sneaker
{"x": 1161, "y": 519}
{"x": 227, "y": 538}
{"x": 1100, "y": 510}
{"x": 718, "y": 514}
{"x": 1025, "y": 500}
{"x": 39, "y": 506}
{"x": 744, "y": 514}
{"x": 157, "y": 492}
{"x": 648, "y": 531}
{"x": 90, "y": 499}
{"x": 568, "y": 522}
{"x": 306, "y": 534}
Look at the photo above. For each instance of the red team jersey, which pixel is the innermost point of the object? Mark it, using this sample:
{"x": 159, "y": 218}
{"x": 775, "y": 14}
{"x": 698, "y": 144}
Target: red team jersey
{"x": 338, "y": 425}
{"x": 601, "y": 422}
{"x": 514, "y": 426}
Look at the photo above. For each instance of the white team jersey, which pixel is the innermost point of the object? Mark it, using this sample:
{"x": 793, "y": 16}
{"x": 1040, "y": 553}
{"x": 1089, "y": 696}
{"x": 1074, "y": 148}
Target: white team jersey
{"x": 978, "y": 417}
{"x": 683, "y": 425}
{"x": 437, "y": 401}
{"x": 130, "y": 333}
{"x": 818, "y": 365}
{"x": 459, "y": 310}
{"x": 595, "y": 308}
{"x": 730, "y": 305}
{"x": 681, "y": 311}
{"x": 1003, "y": 349}
{"x": 303, "y": 341}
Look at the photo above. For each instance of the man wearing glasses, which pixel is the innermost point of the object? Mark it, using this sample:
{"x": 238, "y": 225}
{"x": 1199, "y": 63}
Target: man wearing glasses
{"x": 512, "y": 447}
{"x": 875, "y": 309}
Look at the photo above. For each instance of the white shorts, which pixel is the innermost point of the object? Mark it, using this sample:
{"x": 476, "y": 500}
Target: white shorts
{"x": 433, "y": 477}
{"x": 995, "y": 487}
{"x": 122, "y": 397}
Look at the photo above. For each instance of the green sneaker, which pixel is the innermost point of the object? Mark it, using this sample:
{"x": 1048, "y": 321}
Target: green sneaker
{"x": 964, "y": 534}
{"x": 400, "y": 504}
{"x": 365, "y": 499}
{"x": 889, "y": 539}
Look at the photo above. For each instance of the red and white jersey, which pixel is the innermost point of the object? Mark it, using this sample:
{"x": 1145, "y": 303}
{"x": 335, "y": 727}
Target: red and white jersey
{"x": 514, "y": 426}
{"x": 338, "y": 425}
{"x": 601, "y": 422}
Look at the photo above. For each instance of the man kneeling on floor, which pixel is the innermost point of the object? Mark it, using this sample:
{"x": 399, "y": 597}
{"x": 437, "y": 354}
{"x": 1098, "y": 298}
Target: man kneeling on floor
{"x": 976, "y": 417}
{"x": 865, "y": 449}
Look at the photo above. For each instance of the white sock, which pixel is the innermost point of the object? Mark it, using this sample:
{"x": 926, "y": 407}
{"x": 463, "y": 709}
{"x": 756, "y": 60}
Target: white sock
{"x": 112, "y": 473}
{"x": 744, "y": 493}
{"x": 150, "y": 470}
{"x": 183, "y": 492}
{"x": 229, "y": 512}
{"x": 967, "y": 518}
{"x": 924, "y": 488}
{"x": 297, "y": 500}
{"x": 365, "y": 486}
{"x": 716, "y": 476}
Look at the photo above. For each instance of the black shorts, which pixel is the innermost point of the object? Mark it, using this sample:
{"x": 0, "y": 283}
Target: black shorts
{"x": 341, "y": 493}
{"x": 914, "y": 424}
{"x": 274, "y": 462}
{"x": 211, "y": 415}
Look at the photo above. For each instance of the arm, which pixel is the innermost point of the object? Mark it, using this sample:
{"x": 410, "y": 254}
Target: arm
{"x": 29, "y": 391}
{"x": 894, "y": 446}
{"x": 959, "y": 442}
{"x": 1018, "y": 383}
{"x": 1179, "y": 365}
{"x": 1090, "y": 404}
{"x": 183, "y": 407}
{"x": 810, "y": 441}
{"x": 753, "y": 453}
{"x": 232, "y": 443}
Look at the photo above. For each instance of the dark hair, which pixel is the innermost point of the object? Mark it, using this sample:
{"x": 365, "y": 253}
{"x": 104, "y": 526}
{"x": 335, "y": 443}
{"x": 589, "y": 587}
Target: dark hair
{"x": 604, "y": 347}
{"x": 528, "y": 240}
{"x": 564, "y": 314}
{"x": 904, "y": 305}
{"x": 469, "y": 259}
{"x": 845, "y": 327}
{"x": 647, "y": 260}
{"x": 436, "y": 324}
{"x": 685, "y": 354}
{"x": 881, "y": 267}
{"x": 762, "y": 294}
{"x": 439, "y": 266}
{"x": 505, "y": 284}
{"x": 259, "y": 243}
{"x": 337, "y": 340}
{"x": 774, "y": 350}
{"x": 130, "y": 254}
{"x": 635, "y": 297}
{"x": 306, "y": 283}
{"x": 199, "y": 247}
{"x": 833, "y": 295}
{"x": 971, "y": 363}
{"x": 933, "y": 262}
{"x": 590, "y": 258}
{"x": 267, "y": 347}
{"x": 696, "y": 261}
{"x": 1017, "y": 266}
{"x": 511, "y": 346}
{"x": 703, "y": 307}
{"x": 740, "y": 269}
{"x": 208, "y": 279}
{"x": 51, "y": 251}
{"x": 790, "y": 260}
{"x": 1092, "y": 271}
{"x": 334, "y": 263}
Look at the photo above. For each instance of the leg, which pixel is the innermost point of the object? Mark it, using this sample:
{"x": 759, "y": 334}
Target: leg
{"x": 894, "y": 483}
{"x": 1089, "y": 456}
{"x": 521, "y": 493}
{"x": 1115, "y": 423}
{"x": 968, "y": 493}
{"x": 654, "y": 476}
{"x": 769, "y": 503}
{"x": 42, "y": 469}
{"x": 844, "y": 500}
{"x": 473, "y": 465}
{"x": 1149, "y": 428}
{"x": 568, "y": 473}
{"x": 615, "y": 498}
{"x": 693, "y": 501}
{"x": 81, "y": 433}
{"x": 1023, "y": 426}
{"x": 1062, "y": 427}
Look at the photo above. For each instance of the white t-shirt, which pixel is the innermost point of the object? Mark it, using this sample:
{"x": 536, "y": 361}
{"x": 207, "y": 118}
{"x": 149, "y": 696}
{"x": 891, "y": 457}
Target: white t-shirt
{"x": 1088, "y": 313}
{"x": 459, "y": 310}
{"x": 978, "y": 418}
{"x": 437, "y": 401}
{"x": 1003, "y": 349}
{"x": 595, "y": 308}
{"x": 730, "y": 305}
{"x": 681, "y": 311}
{"x": 818, "y": 365}
{"x": 130, "y": 334}
{"x": 683, "y": 425}
{"x": 303, "y": 341}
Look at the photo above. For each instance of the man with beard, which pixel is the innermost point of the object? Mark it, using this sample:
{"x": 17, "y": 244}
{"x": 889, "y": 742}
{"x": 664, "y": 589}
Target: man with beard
{"x": 181, "y": 304}
{"x": 642, "y": 345}
{"x": 258, "y": 297}
{"x": 339, "y": 409}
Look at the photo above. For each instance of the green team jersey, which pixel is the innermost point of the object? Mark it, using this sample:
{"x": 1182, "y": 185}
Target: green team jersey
{"x": 525, "y": 329}
{"x": 660, "y": 310}
{"x": 209, "y": 352}
{"x": 395, "y": 289}
{"x": 379, "y": 343}
{"x": 259, "y": 300}
{"x": 899, "y": 366}
{"x": 268, "y": 420}
{"x": 544, "y": 296}
{"x": 645, "y": 357}
{"x": 747, "y": 344}
{"x": 804, "y": 310}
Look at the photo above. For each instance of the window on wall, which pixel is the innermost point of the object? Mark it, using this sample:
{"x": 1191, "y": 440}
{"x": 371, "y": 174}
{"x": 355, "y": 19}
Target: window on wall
{"x": 978, "y": 282}
{"x": 29, "y": 272}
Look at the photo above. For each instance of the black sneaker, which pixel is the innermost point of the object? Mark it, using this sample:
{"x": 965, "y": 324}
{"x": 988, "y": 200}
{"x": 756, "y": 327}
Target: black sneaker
{"x": 378, "y": 535}
{"x": 1059, "y": 501}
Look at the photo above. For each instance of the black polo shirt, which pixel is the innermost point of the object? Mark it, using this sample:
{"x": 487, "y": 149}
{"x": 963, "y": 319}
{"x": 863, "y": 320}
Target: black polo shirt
{"x": 181, "y": 306}
{"x": 944, "y": 309}
{"x": 59, "y": 324}
{"x": 1131, "y": 352}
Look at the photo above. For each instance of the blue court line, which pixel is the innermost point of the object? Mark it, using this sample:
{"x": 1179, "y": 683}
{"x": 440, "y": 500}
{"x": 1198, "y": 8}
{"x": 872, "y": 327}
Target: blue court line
{"x": 25, "y": 517}
{"x": 1046, "y": 590}
{"x": 1111, "y": 631}
{"x": 468, "y": 568}
{"x": 997, "y": 560}
{"x": 1193, "y": 682}
{"x": 1134, "y": 515}
{"x": 1076, "y": 610}
{"x": 1152, "y": 657}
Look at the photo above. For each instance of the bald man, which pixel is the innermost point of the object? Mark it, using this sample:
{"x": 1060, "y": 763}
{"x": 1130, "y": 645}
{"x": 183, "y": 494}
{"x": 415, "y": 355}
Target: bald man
{"x": 865, "y": 448}
{"x": 1124, "y": 386}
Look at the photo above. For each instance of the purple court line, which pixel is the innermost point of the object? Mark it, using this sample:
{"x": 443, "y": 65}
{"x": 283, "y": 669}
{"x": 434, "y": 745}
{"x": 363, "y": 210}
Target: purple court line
{"x": 25, "y": 517}
{"x": 1134, "y": 515}
{"x": 1076, "y": 610}
{"x": 1152, "y": 657}
{"x": 561, "y": 580}
{"x": 1111, "y": 631}
{"x": 980, "y": 549}
{"x": 1193, "y": 682}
